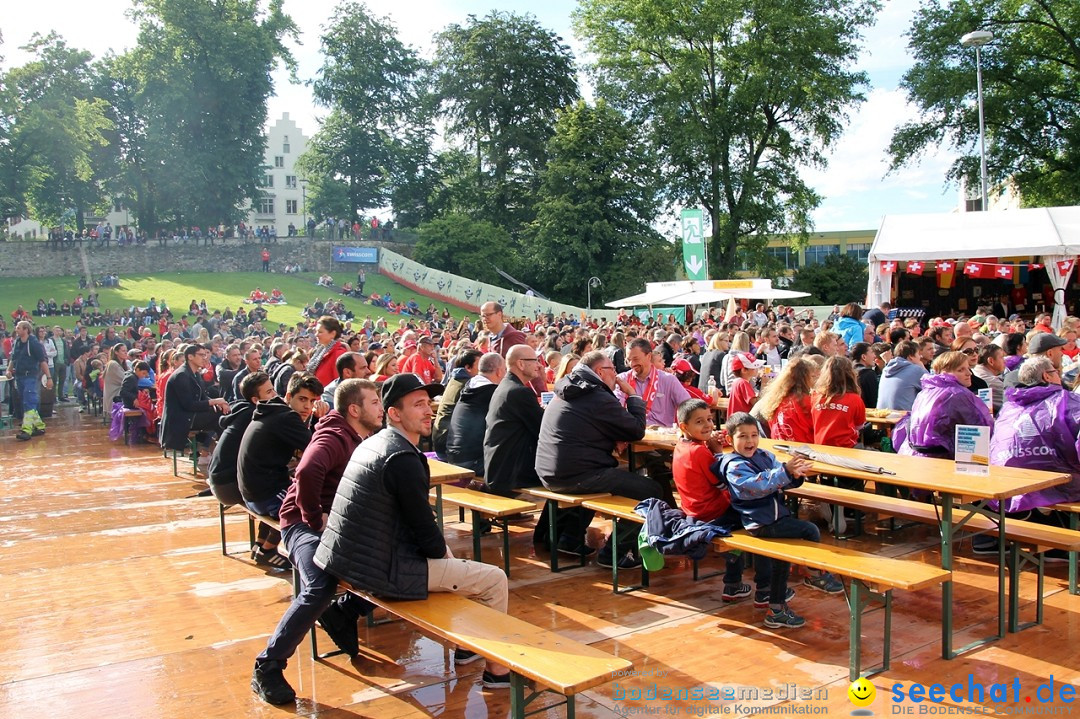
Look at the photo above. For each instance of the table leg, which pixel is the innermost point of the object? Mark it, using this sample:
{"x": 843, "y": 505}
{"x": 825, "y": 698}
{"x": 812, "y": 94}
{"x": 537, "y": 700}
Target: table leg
{"x": 1074, "y": 523}
{"x": 946, "y": 586}
{"x": 438, "y": 506}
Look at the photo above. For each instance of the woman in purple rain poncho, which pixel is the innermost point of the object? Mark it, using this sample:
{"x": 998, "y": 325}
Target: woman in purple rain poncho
{"x": 1037, "y": 429}
{"x": 944, "y": 401}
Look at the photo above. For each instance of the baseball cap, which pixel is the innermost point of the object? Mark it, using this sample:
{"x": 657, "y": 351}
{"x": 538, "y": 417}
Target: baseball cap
{"x": 1043, "y": 342}
{"x": 742, "y": 361}
{"x": 681, "y": 365}
{"x": 402, "y": 384}
{"x": 375, "y": 346}
{"x": 408, "y": 344}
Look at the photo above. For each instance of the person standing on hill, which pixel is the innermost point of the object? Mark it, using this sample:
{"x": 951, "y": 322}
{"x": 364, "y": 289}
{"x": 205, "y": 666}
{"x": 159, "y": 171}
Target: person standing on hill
{"x": 265, "y": 256}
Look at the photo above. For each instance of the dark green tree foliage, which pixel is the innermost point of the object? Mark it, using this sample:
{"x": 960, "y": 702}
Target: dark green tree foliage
{"x": 595, "y": 209}
{"x": 502, "y": 79}
{"x": 736, "y": 97}
{"x": 51, "y": 126}
{"x": 467, "y": 247}
{"x": 836, "y": 281}
{"x": 203, "y": 68}
{"x": 1031, "y": 91}
{"x": 370, "y": 82}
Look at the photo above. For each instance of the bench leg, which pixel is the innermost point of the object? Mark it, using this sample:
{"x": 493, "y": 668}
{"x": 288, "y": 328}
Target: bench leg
{"x": 221, "y": 520}
{"x": 860, "y": 596}
{"x": 174, "y": 472}
{"x": 1018, "y": 558}
{"x": 1074, "y": 524}
{"x": 615, "y": 557}
{"x": 194, "y": 457}
{"x": 517, "y": 696}
{"x": 476, "y": 549}
{"x": 505, "y": 526}
{"x": 251, "y": 530}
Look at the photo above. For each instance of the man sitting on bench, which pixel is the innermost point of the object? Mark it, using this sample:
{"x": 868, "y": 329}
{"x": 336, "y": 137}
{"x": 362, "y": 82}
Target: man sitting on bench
{"x": 381, "y": 536}
{"x": 357, "y": 414}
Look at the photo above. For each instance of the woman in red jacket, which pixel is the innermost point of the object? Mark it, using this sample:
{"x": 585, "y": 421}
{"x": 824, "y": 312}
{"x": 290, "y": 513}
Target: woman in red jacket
{"x": 836, "y": 405}
{"x": 323, "y": 361}
{"x": 785, "y": 403}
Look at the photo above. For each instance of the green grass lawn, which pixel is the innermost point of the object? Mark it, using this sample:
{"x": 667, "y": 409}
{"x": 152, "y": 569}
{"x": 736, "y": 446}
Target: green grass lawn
{"x": 220, "y": 290}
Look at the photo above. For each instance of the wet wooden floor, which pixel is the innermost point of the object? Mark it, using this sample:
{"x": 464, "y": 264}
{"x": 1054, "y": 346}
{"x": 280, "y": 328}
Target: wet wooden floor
{"x": 117, "y": 602}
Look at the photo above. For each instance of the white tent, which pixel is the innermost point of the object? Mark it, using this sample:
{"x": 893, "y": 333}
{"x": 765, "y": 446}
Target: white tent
{"x": 1052, "y": 233}
{"x": 700, "y": 292}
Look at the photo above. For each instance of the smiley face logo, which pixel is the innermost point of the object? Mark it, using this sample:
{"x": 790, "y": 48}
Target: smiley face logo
{"x": 861, "y": 692}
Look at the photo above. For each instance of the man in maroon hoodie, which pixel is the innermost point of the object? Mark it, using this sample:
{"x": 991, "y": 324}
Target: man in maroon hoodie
{"x": 505, "y": 336}
{"x": 357, "y": 414}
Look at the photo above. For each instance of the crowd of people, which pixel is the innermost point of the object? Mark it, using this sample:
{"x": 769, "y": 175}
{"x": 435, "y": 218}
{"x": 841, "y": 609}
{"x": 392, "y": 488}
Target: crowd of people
{"x": 553, "y": 401}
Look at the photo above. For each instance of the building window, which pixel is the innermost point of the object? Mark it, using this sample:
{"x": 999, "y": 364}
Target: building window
{"x": 973, "y": 205}
{"x": 816, "y": 254}
{"x": 285, "y": 148}
{"x": 279, "y": 161}
{"x": 783, "y": 255}
{"x": 290, "y": 207}
{"x": 266, "y": 206}
{"x": 859, "y": 251}
{"x": 267, "y": 180}
{"x": 290, "y": 182}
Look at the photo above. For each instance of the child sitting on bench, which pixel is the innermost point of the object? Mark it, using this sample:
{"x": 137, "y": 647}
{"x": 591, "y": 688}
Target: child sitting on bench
{"x": 756, "y": 480}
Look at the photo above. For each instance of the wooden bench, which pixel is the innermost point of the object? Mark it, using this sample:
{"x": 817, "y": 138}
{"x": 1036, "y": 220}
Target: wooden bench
{"x": 865, "y": 571}
{"x": 491, "y": 506}
{"x": 554, "y": 500}
{"x": 1031, "y": 534}
{"x": 1072, "y": 509}
{"x": 555, "y": 663}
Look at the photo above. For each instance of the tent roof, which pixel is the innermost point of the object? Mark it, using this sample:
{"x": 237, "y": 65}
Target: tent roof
{"x": 966, "y": 235}
{"x": 705, "y": 296}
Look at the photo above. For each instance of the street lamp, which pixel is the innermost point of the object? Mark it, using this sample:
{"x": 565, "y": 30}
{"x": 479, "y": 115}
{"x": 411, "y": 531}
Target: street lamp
{"x": 593, "y": 282}
{"x": 303, "y": 187}
{"x": 976, "y": 39}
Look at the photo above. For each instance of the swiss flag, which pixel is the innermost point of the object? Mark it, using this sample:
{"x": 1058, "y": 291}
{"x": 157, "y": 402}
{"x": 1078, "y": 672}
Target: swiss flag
{"x": 972, "y": 269}
{"x": 946, "y": 272}
{"x": 1035, "y": 266}
{"x": 1003, "y": 272}
{"x": 944, "y": 267}
{"x": 914, "y": 268}
{"x": 1065, "y": 267}
{"x": 888, "y": 267}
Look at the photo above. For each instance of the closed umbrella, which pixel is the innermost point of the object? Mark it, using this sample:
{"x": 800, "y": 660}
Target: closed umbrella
{"x": 836, "y": 461}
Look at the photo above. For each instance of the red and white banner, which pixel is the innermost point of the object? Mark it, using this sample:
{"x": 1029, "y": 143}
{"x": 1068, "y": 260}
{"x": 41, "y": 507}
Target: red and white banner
{"x": 888, "y": 268}
{"x": 914, "y": 268}
{"x": 1003, "y": 272}
{"x": 1064, "y": 267}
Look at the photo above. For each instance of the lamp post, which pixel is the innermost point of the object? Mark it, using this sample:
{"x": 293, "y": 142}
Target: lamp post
{"x": 593, "y": 282}
{"x": 976, "y": 39}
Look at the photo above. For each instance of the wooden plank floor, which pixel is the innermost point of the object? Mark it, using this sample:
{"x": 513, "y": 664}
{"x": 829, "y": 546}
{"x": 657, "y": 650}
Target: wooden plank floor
{"x": 117, "y": 602}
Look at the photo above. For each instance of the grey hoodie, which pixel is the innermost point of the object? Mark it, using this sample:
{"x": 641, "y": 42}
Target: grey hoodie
{"x": 900, "y": 382}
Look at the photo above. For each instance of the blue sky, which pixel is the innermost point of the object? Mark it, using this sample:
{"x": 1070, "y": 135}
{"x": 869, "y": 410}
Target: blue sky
{"x": 855, "y": 189}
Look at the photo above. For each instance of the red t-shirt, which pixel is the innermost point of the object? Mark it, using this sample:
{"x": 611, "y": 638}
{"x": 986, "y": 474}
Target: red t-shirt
{"x": 792, "y": 421}
{"x": 420, "y": 366}
{"x": 700, "y": 493}
{"x": 838, "y": 421}
{"x": 698, "y": 394}
{"x": 741, "y": 396}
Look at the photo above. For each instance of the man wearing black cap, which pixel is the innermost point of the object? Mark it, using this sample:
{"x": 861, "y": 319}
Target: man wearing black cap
{"x": 381, "y": 536}
{"x": 1042, "y": 344}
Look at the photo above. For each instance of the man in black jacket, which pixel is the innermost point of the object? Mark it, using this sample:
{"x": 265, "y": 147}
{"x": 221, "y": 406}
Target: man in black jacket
{"x": 465, "y": 438}
{"x": 279, "y": 429}
{"x": 255, "y": 387}
{"x": 381, "y": 536}
{"x": 582, "y": 427}
{"x": 513, "y": 426}
{"x": 188, "y": 406}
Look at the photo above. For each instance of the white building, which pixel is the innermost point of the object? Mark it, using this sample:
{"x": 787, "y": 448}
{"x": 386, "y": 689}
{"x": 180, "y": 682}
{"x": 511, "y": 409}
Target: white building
{"x": 284, "y": 200}
{"x": 283, "y": 203}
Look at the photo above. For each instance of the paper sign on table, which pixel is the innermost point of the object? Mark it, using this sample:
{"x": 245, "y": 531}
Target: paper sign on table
{"x": 986, "y": 394}
{"x": 972, "y": 449}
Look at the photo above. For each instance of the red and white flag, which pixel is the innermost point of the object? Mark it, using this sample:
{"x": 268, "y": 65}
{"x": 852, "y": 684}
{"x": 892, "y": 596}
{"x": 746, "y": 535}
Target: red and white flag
{"x": 914, "y": 268}
{"x": 1003, "y": 272}
{"x": 1035, "y": 266}
{"x": 944, "y": 267}
{"x": 972, "y": 269}
{"x": 1065, "y": 266}
{"x": 888, "y": 267}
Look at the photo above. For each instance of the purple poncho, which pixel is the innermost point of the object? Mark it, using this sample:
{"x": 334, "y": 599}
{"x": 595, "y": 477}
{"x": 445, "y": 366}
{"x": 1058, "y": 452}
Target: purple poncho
{"x": 930, "y": 429}
{"x": 1037, "y": 429}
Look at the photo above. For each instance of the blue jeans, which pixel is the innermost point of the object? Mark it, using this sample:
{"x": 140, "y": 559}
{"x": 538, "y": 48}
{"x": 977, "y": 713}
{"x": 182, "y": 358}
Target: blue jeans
{"x": 268, "y": 507}
{"x": 788, "y": 527}
{"x": 317, "y": 590}
{"x": 28, "y": 391}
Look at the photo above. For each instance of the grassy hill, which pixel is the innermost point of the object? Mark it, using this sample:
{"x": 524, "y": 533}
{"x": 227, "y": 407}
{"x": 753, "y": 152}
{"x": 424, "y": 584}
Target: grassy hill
{"x": 220, "y": 290}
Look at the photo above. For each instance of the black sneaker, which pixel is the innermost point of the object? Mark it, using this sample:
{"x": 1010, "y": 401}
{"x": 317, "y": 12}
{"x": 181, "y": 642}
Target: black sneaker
{"x": 37, "y": 432}
{"x": 1055, "y": 556}
{"x": 626, "y": 561}
{"x": 271, "y": 559}
{"x": 341, "y": 630}
{"x": 735, "y": 592}
{"x": 22, "y": 437}
{"x": 464, "y": 656}
{"x": 984, "y": 549}
{"x": 761, "y": 599}
{"x": 495, "y": 681}
{"x": 568, "y": 546}
{"x": 783, "y": 619}
{"x": 269, "y": 683}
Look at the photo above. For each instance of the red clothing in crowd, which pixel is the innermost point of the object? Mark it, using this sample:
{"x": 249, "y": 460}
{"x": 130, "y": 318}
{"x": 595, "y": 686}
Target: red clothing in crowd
{"x": 838, "y": 421}
{"x": 326, "y": 372}
{"x": 700, "y": 493}
{"x": 698, "y": 394}
{"x": 793, "y": 421}
{"x": 418, "y": 365}
{"x": 741, "y": 397}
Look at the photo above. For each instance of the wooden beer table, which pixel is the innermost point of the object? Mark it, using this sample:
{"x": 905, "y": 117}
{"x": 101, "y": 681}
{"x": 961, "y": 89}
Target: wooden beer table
{"x": 445, "y": 473}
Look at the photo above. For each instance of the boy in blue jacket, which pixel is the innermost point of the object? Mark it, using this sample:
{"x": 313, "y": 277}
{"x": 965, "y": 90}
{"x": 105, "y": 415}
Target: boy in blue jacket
{"x": 756, "y": 480}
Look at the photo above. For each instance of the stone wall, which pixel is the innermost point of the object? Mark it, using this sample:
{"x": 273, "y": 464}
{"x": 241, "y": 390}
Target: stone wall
{"x": 37, "y": 259}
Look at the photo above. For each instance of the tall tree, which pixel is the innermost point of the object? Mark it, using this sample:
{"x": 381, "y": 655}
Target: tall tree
{"x": 464, "y": 246}
{"x": 52, "y": 126}
{"x": 596, "y": 205}
{"x": 369, "y": 80}
{"x": 203, "y": 68}
{"x": 736, "y": 97}
{"x": 1031, "y": 72}
{"x": 501, "y": 80}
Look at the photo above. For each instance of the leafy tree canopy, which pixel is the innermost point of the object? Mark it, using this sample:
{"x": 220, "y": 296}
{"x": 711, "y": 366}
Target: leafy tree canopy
{"x": 466, "y": 247}
{"x": 836, "y": 281}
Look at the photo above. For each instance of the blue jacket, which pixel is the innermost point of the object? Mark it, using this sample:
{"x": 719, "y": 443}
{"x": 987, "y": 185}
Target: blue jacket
{"x": 756, "y": 485}
{"x": 851, "y": 330}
